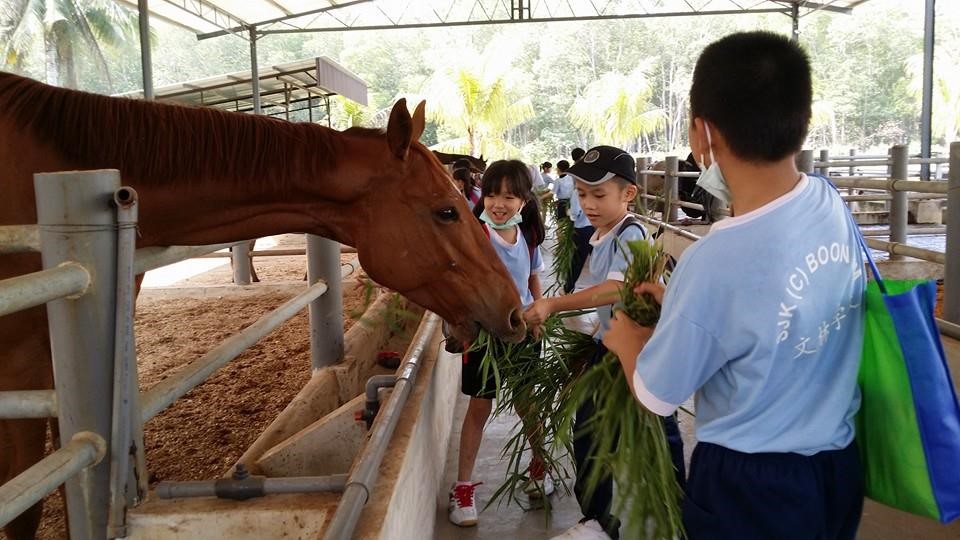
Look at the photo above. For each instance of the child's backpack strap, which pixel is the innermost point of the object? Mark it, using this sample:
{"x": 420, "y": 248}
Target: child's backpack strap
{"x": 631, "y": 221}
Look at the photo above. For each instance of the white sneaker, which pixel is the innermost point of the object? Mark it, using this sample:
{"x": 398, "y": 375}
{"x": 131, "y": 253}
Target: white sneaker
{"x": 463, "y": 507}
{"x": 588, "y": 530}
{"x": 538, "y": 488}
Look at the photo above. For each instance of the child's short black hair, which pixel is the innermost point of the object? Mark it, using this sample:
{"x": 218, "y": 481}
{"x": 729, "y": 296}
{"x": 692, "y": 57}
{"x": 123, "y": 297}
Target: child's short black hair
{"x": 577, "y": 153}
{"x": 546, "y": 166}
{"x": 755, "y": 88}
{"x": 563, "y": 165}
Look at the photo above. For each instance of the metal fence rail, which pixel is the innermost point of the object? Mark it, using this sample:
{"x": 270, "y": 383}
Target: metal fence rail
{"x": 88, "y": 252}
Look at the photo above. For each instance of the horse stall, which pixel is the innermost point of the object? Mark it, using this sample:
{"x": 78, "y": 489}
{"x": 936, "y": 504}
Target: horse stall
{"x": 288, "y": 483}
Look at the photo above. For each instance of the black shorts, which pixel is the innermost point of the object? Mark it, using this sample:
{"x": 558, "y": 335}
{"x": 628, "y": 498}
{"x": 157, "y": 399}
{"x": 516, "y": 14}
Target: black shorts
{"x": 472, "y": 380}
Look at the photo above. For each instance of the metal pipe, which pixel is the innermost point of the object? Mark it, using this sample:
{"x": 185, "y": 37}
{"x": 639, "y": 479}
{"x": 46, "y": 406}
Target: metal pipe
{"x": 671, "y": 189}
{"x": 21, "y": 292}
{"x": 823, "y": 167}
{"x": 146, "y": 58}
{"x": 77, "y": 223}
{"x": 887, "y": 197}
{"x": 926, "y": 100}
{"x": 372, "y": 389}
{"x": 156, "y": 257}
{"x": 643, "y": 163}
{"x": 916, "y": 186}
{"x": 663, "y": 173}
{"x": 28, "y": 404}
{"x": 240, "y": 255}
{"x": 161, "y": 395}
{"x": 850, "y": 162}
{"x": 23, "y": 491}
{"x": 367, "y": 466}
{"x": 896, "y": 248}
{"x": 949, "y": 329}
{"x": 271, "y": 486}
{"x": 805, "y": 161}
{"x": 910, "y": 230}
{"x": 951, "y": 268}
{"x": 672, "y": 228}
{"x": 126, "y": 430}
{"x": 19, "y": 239}
{"x": 898, "y": 199}
{"x": 326, "y": 313}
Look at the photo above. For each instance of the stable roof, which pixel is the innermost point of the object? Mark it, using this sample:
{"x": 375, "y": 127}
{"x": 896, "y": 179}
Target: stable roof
{"x": 210, "y": 18}
{"x": 282, "y": 85}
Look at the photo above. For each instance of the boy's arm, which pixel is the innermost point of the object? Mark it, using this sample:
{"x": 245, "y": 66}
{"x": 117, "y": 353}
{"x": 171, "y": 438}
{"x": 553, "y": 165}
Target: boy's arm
{"x": 603, "y": 294}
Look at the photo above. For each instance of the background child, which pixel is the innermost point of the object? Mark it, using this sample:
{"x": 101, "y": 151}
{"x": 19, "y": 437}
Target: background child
{"x": 509, "y": 212}
{"x": 606, "y": 183}
{"x": 582, "y": 232}
{"x": 762, "y": 316}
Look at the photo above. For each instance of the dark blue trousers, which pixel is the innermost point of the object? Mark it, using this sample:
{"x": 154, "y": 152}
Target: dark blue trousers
{"x": 598, "y": 506}
{"x": 777, "y": 496}
{"x": 581, "y": 238}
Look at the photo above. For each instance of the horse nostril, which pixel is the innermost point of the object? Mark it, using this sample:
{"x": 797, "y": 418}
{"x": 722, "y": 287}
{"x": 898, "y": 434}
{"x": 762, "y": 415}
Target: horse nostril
{"x": 516, "y": 319}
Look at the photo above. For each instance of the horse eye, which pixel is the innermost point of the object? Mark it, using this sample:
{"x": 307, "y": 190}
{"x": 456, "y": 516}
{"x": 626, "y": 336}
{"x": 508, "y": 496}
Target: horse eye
{"x": 448, "y": 214}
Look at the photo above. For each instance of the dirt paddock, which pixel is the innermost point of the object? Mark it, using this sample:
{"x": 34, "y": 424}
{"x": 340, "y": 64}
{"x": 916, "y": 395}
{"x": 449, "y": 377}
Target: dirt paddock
{"x": 202, "y": 434}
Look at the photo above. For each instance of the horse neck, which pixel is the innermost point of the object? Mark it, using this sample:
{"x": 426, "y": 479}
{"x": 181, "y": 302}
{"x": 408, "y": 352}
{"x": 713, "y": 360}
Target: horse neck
{"x": 296, "y": 198}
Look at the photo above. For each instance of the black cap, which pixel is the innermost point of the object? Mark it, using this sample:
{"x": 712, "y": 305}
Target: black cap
{"x": 601, "y": 163}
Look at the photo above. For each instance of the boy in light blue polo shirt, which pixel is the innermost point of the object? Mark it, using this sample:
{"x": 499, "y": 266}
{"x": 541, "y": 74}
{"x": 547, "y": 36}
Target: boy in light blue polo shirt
{"x": 606, "y": 183}
{"x": 763, "y": 316}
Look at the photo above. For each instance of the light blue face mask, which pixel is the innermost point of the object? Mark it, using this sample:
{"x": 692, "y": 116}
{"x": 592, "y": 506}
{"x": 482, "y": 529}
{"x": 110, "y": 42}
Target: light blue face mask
{"x": 712, "y": 179}
{"x": 510, "y": 223}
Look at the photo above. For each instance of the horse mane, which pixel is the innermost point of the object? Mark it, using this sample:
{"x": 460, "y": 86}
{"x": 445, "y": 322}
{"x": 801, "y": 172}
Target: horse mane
{"x": 163, "y": 143}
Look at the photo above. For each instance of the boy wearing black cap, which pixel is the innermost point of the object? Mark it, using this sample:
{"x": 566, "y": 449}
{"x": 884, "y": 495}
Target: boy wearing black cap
{"x": 606, "y": 183}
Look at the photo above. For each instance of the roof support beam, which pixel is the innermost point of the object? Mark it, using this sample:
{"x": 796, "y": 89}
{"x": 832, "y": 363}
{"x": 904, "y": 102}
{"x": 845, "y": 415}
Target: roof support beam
{"x": 245, "y": 26}
{"x": 208, "y": 12}
{"x": 784, "y": 10}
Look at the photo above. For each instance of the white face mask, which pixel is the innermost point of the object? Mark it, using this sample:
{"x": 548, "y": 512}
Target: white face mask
{"x": 516, "y": 219}
{"x": 712, "y": 179}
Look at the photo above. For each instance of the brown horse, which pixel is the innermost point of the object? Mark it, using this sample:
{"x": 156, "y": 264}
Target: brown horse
{"x": 205, "y": 176}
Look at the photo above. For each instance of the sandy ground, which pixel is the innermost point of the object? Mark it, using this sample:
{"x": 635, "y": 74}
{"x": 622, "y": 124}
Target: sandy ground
{"x": 204, "y": 433}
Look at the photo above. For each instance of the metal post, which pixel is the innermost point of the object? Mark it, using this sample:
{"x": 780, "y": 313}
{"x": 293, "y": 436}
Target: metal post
{"x": 852, "y": 170}
{"x": 926, "y": 106}
{"x": 146, "y": 58}
{"x": 951, "y": 268}
{"x": 127, "y": 430}
{"x": 899, "y": 155}
{"x": 642, "y": 164}
{"x": 326, "y": 312}
{"x": 77, "y": 224}
{"x": 671, "y": 190}
{"x": 795, "y": 22}
{"x": 254, "y": 71}
{"x": 805, "y": 161}
{"x": 824, "y": 170}
{"x": 240, "y": 255}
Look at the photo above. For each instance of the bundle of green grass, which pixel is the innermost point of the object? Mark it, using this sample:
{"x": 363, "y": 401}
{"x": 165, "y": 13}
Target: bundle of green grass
{"x": 563, "y": 252}
{"x": 629, "y": 442}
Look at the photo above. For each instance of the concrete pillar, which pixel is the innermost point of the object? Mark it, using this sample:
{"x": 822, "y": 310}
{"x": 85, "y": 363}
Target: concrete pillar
{"x": 898, "y": 204}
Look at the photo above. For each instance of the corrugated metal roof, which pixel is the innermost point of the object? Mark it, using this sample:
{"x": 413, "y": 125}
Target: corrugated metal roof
{"x": 280, "y": 86}
{"x": 284, "y": 16}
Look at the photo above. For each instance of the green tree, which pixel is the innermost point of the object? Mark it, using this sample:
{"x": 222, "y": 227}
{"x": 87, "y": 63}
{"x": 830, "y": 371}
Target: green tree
{"x": 61, "y": 26}
{"x": 616, "y": 108}
{"x": 478, "y": 102}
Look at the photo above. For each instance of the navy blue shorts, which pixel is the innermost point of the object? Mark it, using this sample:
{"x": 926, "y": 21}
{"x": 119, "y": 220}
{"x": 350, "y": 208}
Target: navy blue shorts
{"x": 777, "y": 496}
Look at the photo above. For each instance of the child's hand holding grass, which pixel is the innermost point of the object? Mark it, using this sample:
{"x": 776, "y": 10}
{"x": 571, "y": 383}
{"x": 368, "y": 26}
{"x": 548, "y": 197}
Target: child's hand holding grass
{"x": 624, "y": 337}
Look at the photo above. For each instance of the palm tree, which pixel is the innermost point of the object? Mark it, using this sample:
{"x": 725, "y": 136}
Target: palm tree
{"x": 615, "y": 109}
{"x": 946, "y": 93}
{"x": 479, "y": 102}
{"x": 60, "y": 25}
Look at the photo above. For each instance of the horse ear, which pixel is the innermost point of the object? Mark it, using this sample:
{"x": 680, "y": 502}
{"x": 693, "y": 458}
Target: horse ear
{"x": 399, "y": 129}
{"x": 419, "y": 121}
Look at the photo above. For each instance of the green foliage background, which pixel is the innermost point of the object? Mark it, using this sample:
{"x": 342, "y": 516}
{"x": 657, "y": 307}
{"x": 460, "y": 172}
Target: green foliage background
{"x": 865, "y": 69}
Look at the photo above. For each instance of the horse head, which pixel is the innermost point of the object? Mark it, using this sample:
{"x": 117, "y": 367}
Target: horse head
{"x": 418, "y": 237}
